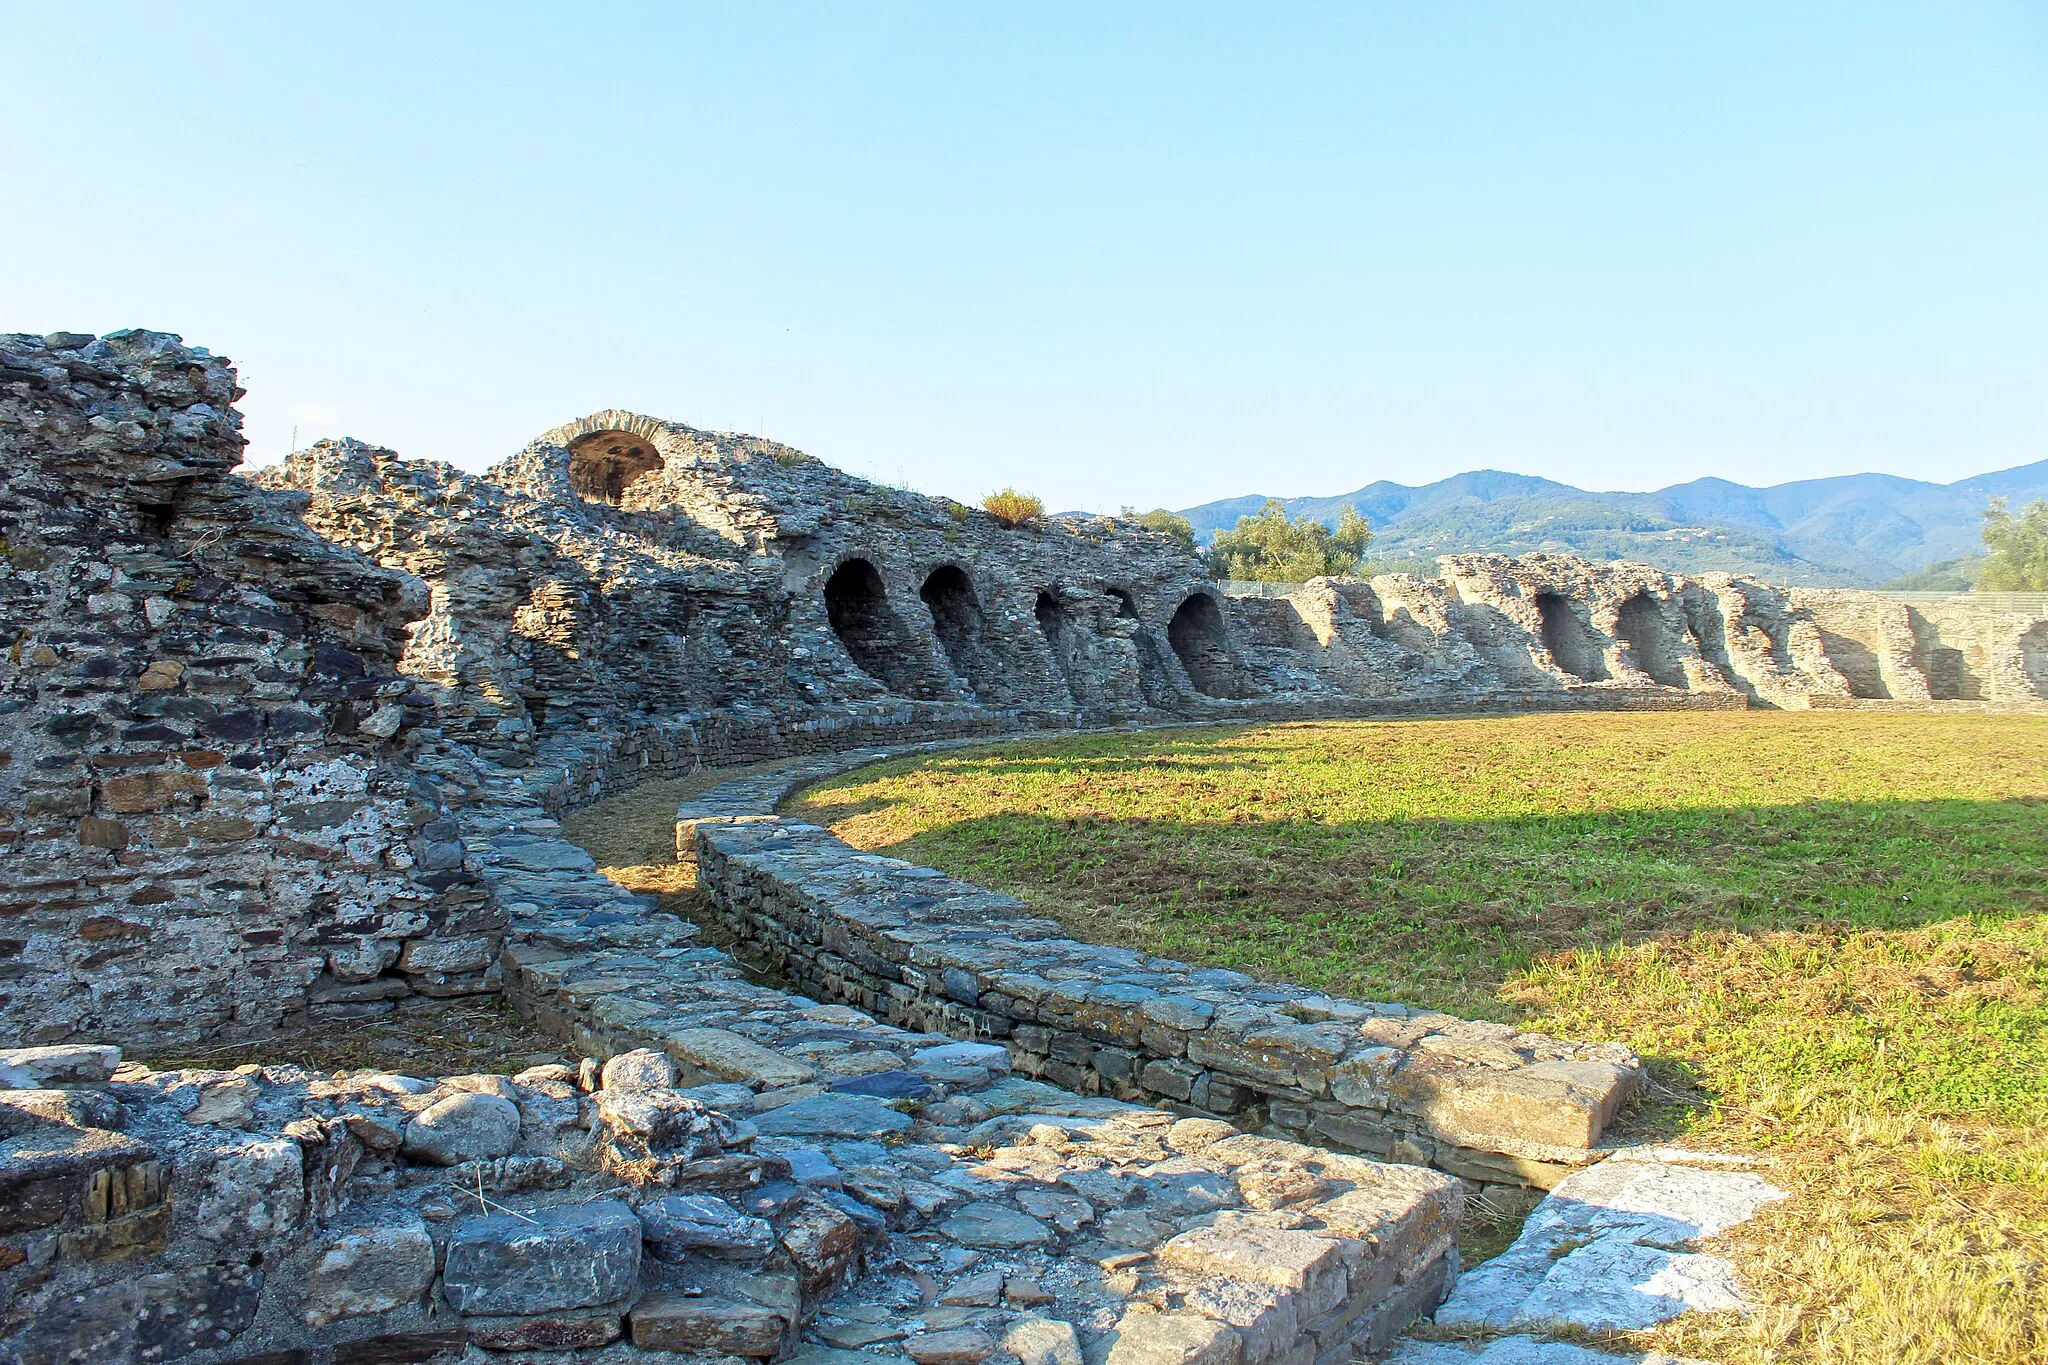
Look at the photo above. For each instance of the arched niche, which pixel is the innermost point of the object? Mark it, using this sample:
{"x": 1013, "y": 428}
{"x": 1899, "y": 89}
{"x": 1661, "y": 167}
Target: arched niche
{"x": 948, "y": 593}
{"x": 1649, "y": 640}
{"x": 857, "y": 607}
{"x": 1568, "y": 638}
{"x": 1197, "y": 636}
{"x": 603, "y": 464}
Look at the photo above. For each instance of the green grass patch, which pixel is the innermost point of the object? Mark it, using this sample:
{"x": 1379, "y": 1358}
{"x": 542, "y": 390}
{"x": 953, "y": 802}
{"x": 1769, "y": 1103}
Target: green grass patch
{"x": 1825, "y": 931}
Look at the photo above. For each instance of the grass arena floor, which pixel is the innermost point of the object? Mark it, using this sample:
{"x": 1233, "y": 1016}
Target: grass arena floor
{"x": 1824, "y": 930}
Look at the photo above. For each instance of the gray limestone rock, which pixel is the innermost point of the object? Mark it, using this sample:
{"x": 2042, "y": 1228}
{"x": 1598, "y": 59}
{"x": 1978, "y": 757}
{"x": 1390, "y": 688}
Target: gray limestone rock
{"x": 463, "y": 1127}
{"x": 1609, "y": 1249}
{"x": 27, "y": 1068}
{"x": 643, "y": 1068}
{"x": 677, "y": 1225}
{"x": 1043, "y": 1341}
{"x": 257, "y": 1190}
{"x": 368, "y": 1270}
{"x": 830, "y": 1116}
{"x": 983, "y": 1224}
{"x": 576, "y": 1256}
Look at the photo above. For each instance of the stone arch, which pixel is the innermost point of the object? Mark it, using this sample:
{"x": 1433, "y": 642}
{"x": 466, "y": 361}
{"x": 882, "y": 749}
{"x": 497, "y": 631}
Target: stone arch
{"x": 1197, "y": 636}
{"x": 602, "y": 464}
{"x": 2034, "y": 660}
{"x": 1060, "y": 637}
{"x": 1861, "y": 667}
{"x": 957, "y": 621}
{"x": 1568, "y": 639}
{"x": 1155, "y": 682}
{"x": 1646, "y": 640}
{"x": 857, "y": 607}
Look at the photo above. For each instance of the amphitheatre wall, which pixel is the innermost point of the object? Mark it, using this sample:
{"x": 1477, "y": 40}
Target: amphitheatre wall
{"x": 287, "y": 752}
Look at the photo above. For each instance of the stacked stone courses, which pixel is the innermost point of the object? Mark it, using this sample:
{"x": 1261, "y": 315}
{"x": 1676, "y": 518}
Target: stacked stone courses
{"x": 285, "y": 753}
{"x": 902, "y": 942}
{"x": 206, "y": 817}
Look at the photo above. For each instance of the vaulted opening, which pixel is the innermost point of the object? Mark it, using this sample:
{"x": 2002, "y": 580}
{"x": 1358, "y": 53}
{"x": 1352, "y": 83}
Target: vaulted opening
{"x": 1197, "y": 636}
{"x": 1569, "y": 639}
{"x": 1126, "y": 605}
{"x": 857, "y": 606}
{"x": 604, "y": 464}
{"x": 1858, "y": 664}
{"x": 1643, "y": 632}
{"x": 957, "y": 621}
{"x": 1058, "y": 628}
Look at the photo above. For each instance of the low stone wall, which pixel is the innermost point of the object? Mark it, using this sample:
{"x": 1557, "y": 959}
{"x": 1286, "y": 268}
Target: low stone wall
{"x": 279, "y": 1215}
{"x": 923, "y": 950}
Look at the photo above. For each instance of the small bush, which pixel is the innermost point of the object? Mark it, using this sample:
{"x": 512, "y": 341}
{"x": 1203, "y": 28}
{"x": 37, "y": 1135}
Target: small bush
{"x": 1013, "y": 509}
{"x": 1170, "y": 524}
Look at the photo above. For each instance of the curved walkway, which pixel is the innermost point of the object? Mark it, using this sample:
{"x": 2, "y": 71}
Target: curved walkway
{"x": 940, "y": 960}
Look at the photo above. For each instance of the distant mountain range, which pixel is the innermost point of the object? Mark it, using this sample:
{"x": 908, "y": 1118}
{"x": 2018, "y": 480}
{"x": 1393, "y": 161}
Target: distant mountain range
{"x": 1856, "y": 530}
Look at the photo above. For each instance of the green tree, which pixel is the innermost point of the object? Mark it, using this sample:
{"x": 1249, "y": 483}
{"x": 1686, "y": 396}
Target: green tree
{"x": 2018, "y": 546}
{"x": 1272, "y": 547}
{"x": 1170, "y": 524}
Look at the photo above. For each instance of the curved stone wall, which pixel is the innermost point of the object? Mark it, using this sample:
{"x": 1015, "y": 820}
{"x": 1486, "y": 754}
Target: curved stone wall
{"x": 926, "y": 951}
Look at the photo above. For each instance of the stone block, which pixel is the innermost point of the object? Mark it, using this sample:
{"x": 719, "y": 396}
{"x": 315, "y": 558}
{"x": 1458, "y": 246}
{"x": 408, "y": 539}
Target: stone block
{"x": 550, "y": 1259}
{"x": 996, "y": 1226}
{"x": 253, "y": 1191}
{"x": 1174, "y": 1339}
{"x": 369, "y": 1270}
{"x": 1175, "y": 1080}
{"x": 642, "y": 1067}
{"x": 402, "y": 1348}
{"x": 1312, "y": 1267}
{"x": 823, "y": 1245}
{"x": 1366, "y": 1078}
{"x": 678, "y": 1225}
{"x": 705, "y": 1325}
{"x": 1042, "y": 1341}
{"x": 833, "y": 1116}
{"x": 958, "y": 1346}
{"x": 27, "y": 1068}
{"x": 572, "y": 1330}
{"x": 449, "y": 956}
{"x": 720, "y": 1055}
{"x": 1550, "y": 1111}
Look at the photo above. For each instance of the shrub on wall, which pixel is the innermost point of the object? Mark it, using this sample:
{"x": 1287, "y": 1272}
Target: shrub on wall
{"x": 1012, "y": 508}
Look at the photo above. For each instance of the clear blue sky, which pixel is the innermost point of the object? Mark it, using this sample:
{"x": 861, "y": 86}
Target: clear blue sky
{"x": 1124, "y": 253}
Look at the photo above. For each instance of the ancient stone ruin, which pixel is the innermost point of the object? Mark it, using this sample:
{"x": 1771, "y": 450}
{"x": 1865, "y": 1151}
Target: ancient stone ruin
{"x": 289, "y": 752}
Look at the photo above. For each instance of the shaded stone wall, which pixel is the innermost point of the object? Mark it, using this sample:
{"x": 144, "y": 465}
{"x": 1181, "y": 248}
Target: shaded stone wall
{"x": 206, "y": 817}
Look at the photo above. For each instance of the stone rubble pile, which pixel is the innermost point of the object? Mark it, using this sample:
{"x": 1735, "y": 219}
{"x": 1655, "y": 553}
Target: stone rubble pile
{"x": 223, "y": 1215}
